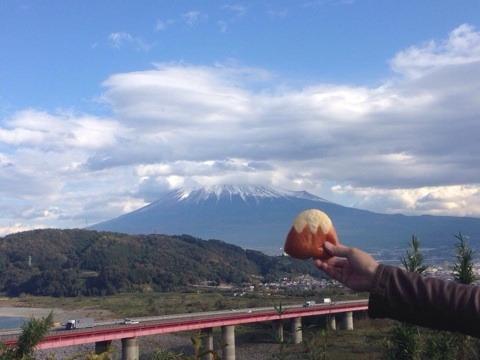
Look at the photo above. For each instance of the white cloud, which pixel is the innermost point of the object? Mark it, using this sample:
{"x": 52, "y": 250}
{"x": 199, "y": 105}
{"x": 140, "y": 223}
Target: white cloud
{"x": 238, "y": 12}
{"x": 461, "y": 47}
{"x": 164, "y": 24}
{"x": 237, "y": 9}
{"x": 409, "y": 146}
{"x": 192, "y": 17}
{"x": 123, "y": 39}
{"x": 19, "y": 227}
{"x": 458, "y": 200}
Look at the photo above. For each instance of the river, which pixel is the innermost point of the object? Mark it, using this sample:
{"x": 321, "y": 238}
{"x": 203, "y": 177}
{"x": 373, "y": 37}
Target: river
{"x": 11, "y": 322}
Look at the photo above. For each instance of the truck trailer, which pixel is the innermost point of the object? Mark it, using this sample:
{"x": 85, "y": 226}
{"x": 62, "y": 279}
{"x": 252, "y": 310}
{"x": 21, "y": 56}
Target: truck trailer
{"x": 309, "y": 303}
{"x": 82, "y": 323}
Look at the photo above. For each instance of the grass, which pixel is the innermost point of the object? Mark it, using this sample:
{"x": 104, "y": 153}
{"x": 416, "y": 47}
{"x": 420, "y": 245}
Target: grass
{"x": 152, "y": 304}
{"x": 363, "y": 342}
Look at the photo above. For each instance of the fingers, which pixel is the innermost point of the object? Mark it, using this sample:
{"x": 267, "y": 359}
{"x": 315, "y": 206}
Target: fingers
{"x": 331, "y": 269}
{"x": 336, "y": 250}
{"x": 330, "y": 263}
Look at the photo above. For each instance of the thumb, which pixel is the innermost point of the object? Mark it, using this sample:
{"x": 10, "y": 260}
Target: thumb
{"x": 336, "y": 250}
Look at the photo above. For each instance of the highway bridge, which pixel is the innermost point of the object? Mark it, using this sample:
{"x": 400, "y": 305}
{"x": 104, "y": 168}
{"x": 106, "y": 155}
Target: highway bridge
{"x": 105, "y": 332}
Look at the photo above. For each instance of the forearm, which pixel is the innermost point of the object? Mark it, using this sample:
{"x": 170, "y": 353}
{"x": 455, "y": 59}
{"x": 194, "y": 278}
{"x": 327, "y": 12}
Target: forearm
{"x": 430, "y": 302}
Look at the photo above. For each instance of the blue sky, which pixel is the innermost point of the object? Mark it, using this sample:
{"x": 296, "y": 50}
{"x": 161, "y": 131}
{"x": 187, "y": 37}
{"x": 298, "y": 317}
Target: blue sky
{"x": 104, "y": 105}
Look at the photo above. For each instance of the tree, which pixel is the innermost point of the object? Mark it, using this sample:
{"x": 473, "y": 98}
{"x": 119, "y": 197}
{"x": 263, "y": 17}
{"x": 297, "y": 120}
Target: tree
{"x": 414, "y": 260}
{"x": 404, "y": 343}
{"x": 32, "y": 333}
{"x": 463, "y": 268}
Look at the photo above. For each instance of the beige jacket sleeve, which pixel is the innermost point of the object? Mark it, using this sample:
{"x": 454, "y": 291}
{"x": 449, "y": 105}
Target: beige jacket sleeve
{"x": 425, "y": 301}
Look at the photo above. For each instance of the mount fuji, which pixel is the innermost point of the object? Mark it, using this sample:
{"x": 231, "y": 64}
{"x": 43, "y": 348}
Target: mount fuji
{"x": 258, "y": 217}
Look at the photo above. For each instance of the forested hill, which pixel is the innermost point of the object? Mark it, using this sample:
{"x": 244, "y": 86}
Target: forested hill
{"x": 80, "y": 262}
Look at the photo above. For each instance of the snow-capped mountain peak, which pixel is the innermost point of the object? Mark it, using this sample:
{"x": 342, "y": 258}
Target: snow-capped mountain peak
{"x": 228, "y": 191}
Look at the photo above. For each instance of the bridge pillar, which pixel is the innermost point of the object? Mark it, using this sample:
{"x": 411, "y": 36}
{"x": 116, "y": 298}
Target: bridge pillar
{"x": 102, "y": 346}
{"x": 228, "y": 338}
{"x": 278, "y": 330}
{"x": 347, "y": 321}
{"x": 297, "y": 330}
{"x": 207, "y": 342}
{"x": 332, "y": 322}
{"x": 130, "y": 350}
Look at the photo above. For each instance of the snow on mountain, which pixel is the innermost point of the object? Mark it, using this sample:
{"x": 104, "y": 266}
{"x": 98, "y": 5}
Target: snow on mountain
{"x": 229, "y": 191}
{"x": 245, "y": 192}
{"x": 259, "y": 217}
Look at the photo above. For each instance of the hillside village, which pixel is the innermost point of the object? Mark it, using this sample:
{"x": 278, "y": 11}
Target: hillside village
{"x": 309, "y": 284}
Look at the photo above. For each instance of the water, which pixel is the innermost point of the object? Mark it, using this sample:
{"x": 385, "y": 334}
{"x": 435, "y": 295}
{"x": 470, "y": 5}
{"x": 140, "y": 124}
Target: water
{"x": 10, "y": 322}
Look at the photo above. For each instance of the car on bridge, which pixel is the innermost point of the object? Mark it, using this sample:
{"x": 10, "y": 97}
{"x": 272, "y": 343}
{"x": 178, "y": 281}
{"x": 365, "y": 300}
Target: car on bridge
{"x": 128, "y": 321}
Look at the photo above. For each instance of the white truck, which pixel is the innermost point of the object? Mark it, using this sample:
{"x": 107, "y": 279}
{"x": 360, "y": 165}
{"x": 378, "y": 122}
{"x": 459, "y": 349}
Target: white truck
{"x": 312, "y": 303}
{"x": 82, "y": 323}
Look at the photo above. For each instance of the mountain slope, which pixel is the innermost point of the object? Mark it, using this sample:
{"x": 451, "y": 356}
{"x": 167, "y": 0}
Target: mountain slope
{"x": 257, "y": 217}
{"x": 79, "y": 262}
